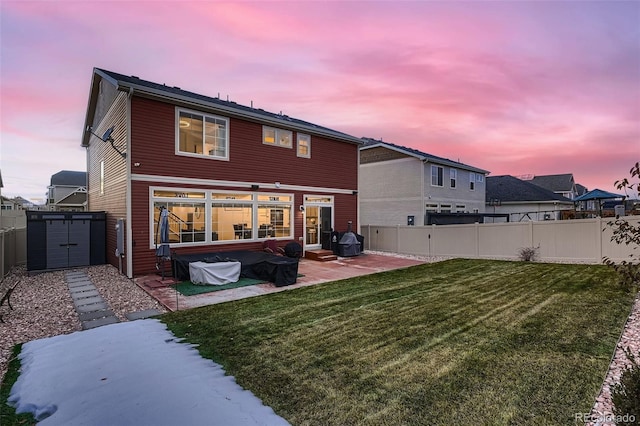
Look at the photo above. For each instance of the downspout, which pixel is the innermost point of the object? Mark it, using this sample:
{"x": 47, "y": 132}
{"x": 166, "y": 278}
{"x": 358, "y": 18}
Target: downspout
{"x": 422, "y": 191}
{"x": 129, "y": 253}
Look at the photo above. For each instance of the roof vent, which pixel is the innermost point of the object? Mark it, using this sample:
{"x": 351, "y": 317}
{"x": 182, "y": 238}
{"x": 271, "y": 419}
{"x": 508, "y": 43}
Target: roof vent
{"x": 176, "y": 87}
{"x": 136, "y": 77}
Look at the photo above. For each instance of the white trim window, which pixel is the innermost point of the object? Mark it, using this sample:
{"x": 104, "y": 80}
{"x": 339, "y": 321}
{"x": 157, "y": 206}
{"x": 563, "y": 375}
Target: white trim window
{"x": 437, "y": 175}
{"x": 201, "y": 135}
{"x": 453, "y": 177}
{"x": 276, "y": 137}
{"x": 479, "y": 177}
{"x": 202, "y": 217}
{"x": 445, "y": 208}
{"x": 304, "y": 145}
{"x": 472, "y": 181}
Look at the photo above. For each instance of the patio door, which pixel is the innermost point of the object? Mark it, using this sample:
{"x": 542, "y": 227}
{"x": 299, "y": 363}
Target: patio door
{"x": 318, "y": 221}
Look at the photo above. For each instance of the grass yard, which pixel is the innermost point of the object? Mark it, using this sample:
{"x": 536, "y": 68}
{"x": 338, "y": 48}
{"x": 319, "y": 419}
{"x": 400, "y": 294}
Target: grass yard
{"x": 462, "y": 342}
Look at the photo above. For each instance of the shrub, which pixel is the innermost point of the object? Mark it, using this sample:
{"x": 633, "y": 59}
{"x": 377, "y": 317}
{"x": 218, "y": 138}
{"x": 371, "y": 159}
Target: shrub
{"x": 626, "y": 394}
{"x": 528, "y": 254}
{"x": 628, "y": 234}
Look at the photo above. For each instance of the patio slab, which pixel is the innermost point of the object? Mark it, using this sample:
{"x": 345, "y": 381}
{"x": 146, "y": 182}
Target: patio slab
{"x": 313, "y": 272}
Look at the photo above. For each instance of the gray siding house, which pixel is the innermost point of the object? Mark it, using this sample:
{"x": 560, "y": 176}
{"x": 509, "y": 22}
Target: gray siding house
{"x": 67, "y": 191}
{"x": 399, "y": 185}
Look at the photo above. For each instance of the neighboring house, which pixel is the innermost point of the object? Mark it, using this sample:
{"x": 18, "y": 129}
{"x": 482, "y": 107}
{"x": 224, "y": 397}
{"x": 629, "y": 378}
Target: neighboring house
{"x": 9, "y": 204}
{"x": 67, "y": 191}
{"x": 523, "y": 200}
{"x": 400, "y": 185}
{"x": 562, "y": 184}
{"x": 231, "y": 176}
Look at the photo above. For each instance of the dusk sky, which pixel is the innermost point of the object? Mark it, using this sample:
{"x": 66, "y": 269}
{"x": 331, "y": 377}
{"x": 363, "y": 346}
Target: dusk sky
{"x": 513, "y": 87}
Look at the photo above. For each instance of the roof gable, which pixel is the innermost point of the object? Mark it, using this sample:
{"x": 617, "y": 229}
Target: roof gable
{"x": 370, "y": 143}
{"x": 555, "y": 183}
{"x": 69, "y": 178}
{"x": 511, "y": 189}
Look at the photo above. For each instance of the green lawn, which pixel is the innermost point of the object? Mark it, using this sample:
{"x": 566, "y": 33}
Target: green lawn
{"x": 462, "y": 342}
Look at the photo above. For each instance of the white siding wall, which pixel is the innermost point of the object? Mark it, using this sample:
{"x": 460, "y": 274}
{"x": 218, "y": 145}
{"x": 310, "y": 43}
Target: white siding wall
{"x": 535, "y": 211}
{"x": 390, "y": 191}
{"x": 461, "y": 194}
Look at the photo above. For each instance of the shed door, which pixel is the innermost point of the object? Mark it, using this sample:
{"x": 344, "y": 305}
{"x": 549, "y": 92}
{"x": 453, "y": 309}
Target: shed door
{"x": 79, "y": 240}
{"x": 57, "y": 244}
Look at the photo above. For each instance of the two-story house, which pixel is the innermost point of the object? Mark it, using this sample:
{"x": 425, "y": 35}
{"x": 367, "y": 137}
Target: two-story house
{"x": 67, "y": 191}
{"x": 400, "y": 185}
{"x": 230, "y": 176}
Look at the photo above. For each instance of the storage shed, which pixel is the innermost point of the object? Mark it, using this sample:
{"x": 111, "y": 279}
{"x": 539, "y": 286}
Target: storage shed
{"x": 59, "y": 240}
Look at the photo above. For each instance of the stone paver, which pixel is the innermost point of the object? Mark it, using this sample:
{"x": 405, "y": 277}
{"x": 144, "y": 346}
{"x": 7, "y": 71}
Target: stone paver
{"x": 89, "y": 301}
{"x": 142, "y": 314}
{"x": 86, "y": 325}
{"x": 92, "y": 307}
{"x": 90, "y": 316}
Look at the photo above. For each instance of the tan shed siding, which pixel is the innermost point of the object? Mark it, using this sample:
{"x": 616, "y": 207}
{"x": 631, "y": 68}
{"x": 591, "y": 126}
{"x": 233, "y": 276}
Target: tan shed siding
{"x": 332, "y": 163}
{"x": 375, "y": 155}
{"x": 113, "y": 201}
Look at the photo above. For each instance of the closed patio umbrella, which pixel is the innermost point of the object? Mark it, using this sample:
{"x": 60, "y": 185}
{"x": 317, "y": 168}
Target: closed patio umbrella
{"x": 162, "y": 251}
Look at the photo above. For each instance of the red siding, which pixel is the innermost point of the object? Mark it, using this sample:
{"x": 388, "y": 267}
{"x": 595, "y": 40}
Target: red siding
{"x": 333, "y": 164}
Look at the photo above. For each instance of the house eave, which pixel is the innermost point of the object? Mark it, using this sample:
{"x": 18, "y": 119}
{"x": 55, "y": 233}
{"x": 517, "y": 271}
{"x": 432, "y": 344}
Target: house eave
{"x": 144, "y": 91}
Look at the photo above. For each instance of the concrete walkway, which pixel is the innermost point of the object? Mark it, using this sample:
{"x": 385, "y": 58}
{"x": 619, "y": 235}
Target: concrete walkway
{"x": 92, "y": 310}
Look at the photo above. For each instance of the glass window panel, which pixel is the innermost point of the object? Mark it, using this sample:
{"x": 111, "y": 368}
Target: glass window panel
{"x": 186, "y": 221}
{"x": 177, "y": 194}
{"x": 269, "y": 135}
{"x": 275, "y": 198}
{"x": 231, "y": 221}
{"x": 231, "y": 196}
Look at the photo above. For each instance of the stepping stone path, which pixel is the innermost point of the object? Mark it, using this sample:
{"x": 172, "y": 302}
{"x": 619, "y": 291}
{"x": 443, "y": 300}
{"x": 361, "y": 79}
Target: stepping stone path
{"x": 92, "y": 310}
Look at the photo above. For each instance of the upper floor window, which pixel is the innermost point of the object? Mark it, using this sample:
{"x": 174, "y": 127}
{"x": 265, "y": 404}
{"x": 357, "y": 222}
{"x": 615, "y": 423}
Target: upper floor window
{"x": 453, "y": 176}
{"x": 479, "y": 177}
{"x": 436, "y": 175}
{"x": 278, "y": 137}
{"x": 202, "y": 135}
{"x": 472, "y": 181}
{"x": 304, "y": 145}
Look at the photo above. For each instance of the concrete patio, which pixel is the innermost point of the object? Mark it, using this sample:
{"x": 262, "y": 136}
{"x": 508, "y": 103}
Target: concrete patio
{"x": 313, "y": 272}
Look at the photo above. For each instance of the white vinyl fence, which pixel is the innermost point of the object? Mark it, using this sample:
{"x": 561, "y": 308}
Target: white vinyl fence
{"x": 579, "y": 241}
{"x": 13, "y": 249}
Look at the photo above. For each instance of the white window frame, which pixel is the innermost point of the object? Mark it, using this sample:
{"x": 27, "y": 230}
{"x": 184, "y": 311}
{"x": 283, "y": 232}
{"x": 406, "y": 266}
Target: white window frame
{"x": 472, "y": 181}
{"x": 301, "y": 137}
{"x": 479, "y": 177}
{"x": 101, "y": 177}
{"x": 439, "y": 176}
{"x": 445, "y": 208}
{"x": 278, "y": 133}
{"x": 207, "y": 202}
{"x": 453, "y": 178}
{"x": 204, "y": 118}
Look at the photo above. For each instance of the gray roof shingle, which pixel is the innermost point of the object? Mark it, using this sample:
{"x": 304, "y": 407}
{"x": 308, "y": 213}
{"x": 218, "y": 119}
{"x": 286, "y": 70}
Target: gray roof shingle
{"x": 511, "y": 189}
{"x": 69, "y": 178}
{"x": 176, "y": 92}
{"x": 370, "y": 142}
{"x": 555, "y": 183}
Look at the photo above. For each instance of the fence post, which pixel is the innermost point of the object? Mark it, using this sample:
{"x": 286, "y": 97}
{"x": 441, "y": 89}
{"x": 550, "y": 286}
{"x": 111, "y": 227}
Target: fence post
{"x": 477, "y": 238}
{"x": 600, "y": 235}
{"x": 530, "y": 233}
{"x": 2, "y": 243}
